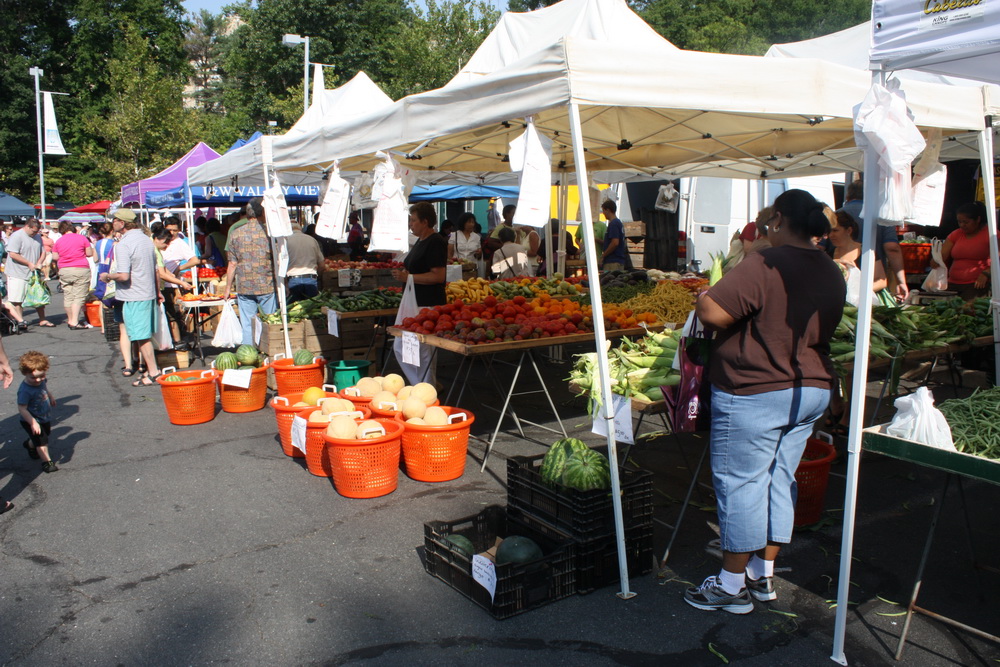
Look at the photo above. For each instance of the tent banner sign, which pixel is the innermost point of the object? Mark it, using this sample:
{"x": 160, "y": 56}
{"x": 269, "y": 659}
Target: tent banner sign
{"x": 903, "y": 28}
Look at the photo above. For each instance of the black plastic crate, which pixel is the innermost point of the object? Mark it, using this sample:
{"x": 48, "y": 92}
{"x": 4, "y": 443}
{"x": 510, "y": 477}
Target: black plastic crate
{"x": 597, "y": 559}
{"x": 585, "y": 515}
{"x": 520, "y": 586}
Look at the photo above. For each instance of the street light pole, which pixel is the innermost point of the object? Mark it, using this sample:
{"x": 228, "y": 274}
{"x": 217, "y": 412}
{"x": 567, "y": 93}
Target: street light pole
{"x": 37, "y": 72}
{"x": 293, "y": 40}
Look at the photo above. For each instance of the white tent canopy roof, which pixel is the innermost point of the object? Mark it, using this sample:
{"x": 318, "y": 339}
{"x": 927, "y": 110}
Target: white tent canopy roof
{"x": 647, "y": 107}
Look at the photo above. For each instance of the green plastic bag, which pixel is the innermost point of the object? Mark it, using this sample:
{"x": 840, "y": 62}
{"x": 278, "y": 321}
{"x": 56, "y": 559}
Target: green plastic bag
{"x": 37, "y": 294}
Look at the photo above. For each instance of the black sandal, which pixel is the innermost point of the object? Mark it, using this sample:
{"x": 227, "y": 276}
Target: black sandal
{"x": 146, "y": 381}
{"x": 7, "y": 506}
{"x": 128, "y": 372}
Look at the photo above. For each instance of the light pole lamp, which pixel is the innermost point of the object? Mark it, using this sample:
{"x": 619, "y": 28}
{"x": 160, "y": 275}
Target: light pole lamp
{"x": 294, "y": 40}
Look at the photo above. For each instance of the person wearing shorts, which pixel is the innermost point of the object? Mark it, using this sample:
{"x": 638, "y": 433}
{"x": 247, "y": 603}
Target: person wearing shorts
{"x": 25, "y": 253}
{"x": 135, "y": 288}
{"x": 71, "y": 252}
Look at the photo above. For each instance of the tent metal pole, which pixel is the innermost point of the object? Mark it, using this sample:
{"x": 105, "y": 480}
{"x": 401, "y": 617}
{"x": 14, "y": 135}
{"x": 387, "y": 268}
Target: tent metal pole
{"x": 190, "y": 207}
{"x": 989, "y": 195}
{"x": 872, "y": 204}
{"x": 597, "y": 315}
{"x": 36, "y": 73}
{"x": 562, "y": 206}
{"x": 279, "y": 283}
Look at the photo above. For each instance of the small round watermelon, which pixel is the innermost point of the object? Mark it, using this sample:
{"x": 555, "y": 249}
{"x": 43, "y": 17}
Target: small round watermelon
{"x": 226, "y": 361}
{"x": 247, "y": 355}
{"x": 302, "y": 358}
{"x": 462, "y": 544}
{"x": 586, "y": 471}
{"x": 173, "y": 378}
{"x": 518, "y": 549}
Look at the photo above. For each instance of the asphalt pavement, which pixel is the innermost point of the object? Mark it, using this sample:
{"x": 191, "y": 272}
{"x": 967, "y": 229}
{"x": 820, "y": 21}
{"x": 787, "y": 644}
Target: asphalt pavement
{"x": 188, "y": 545}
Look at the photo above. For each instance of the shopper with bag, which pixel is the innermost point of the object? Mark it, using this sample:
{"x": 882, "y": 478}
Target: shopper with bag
{"x": 425, "y": 275}
{"x": 966, "y": 253}
{"x": 25, "y": 257}
{"x": 774, "y": 315}
{"x": 71, "y": 252}
{"x": 249, "y": 255}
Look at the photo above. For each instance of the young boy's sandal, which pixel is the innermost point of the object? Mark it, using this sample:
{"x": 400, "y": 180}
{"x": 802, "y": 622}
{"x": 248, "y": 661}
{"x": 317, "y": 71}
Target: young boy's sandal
{"x": 7, "y": 506}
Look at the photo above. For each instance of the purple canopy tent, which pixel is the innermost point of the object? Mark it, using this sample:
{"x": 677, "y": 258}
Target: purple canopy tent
{"x": 170, "y": 178}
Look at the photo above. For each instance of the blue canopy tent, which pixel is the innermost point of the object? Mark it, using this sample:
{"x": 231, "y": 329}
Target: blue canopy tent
{"x": 225, "y": 195}
{"x": 11, "y": 206}
{"x": 443, "y": 192}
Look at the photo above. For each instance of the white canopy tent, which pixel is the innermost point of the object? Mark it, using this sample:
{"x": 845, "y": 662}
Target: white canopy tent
{"x": 639, "y": 105}
{"x": 950, "y": 40}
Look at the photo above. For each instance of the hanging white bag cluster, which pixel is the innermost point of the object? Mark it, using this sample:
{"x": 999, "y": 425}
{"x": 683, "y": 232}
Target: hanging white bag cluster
{"x": 929, "y": 179}
{"x": 918, "y": 420}
{"x": 883, "y": 124}
{"x": 391, "y": 187}
{"x": 332, "y": 222}
{"x": 276, "y": 211}
{"x": 531, "y": 156}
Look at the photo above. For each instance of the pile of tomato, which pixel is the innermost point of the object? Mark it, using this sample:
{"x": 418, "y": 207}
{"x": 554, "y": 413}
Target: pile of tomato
{"x": 494, "y": 321}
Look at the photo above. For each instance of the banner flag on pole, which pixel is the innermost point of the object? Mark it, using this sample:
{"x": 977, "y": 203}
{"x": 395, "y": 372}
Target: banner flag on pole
{"x": 53, "y": 143}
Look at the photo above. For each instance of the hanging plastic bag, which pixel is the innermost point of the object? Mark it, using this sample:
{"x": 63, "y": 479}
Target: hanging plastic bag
{"x": 161, "y": 337}
{"x": 408, "y": 305}
{"x": 937, "y": 279}
{"x": 37, "y": 293}
{"x": 229, "y": 332}
{"x": 918, "y": 420}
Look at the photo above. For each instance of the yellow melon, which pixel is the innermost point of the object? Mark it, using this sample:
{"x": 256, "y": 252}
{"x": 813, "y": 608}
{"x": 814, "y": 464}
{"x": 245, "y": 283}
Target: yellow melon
{"x": 368, "y": 430}
{"x": 342, "y": 427}
{"x": 318, "y": 417}
{"x": 393, "y": 382}
{"x": 404, "y": 393}
{"x": 300, "y": 404}
{"x": 385, "y": 400}
{"x": 333, "y": 404}
{"x": 311, "y": 395}
{"x": 435, "y": 416}
{"x": 368, "y": 387}
{"x": 415, "y": 420}
{"x": 425, "y": 392}
{"x": 413, "y": 407}
{"x": 379, "y": 379}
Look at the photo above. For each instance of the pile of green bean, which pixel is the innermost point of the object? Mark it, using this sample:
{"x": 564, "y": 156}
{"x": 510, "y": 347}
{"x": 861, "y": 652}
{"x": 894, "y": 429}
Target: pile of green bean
{"x": 975, "y": 422}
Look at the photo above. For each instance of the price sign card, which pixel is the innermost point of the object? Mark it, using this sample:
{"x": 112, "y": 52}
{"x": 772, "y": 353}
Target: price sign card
{"x": 484, "y": 572}
{"x": 622, "y": 406}
{"x": 344, "y": 278}
{"x": 299, "y": 433}
{"x": 453, "y": 272}
{"x": 411, "y": 349}
{"x": 333, "y": 323}
{"x": 237, "y": 377}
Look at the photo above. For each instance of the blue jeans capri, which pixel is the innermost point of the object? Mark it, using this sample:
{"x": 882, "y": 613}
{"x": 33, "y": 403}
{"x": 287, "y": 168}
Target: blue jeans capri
{"x": 756, "y": 444}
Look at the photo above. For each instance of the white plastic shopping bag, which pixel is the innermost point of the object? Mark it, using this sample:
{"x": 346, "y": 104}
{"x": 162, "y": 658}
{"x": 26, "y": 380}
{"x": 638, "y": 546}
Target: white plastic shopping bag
{"x": 937, "y": 279}
{"x": 228, "y": 333}
{"x": 161, "y": 337}
{"x": 408, "y": 305}
{"x": 918, "y": 420}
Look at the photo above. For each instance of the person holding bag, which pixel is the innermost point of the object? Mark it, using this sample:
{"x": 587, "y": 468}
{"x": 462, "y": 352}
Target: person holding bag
{"x": 774, "y": 315}
{"x": 425, "y": 267}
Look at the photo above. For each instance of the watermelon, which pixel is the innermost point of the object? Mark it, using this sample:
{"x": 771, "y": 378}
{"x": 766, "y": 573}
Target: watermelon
{"x": 226, "y": 361}
{"x": 587, "y": 470}
{"x": 173, "y": 378}
{"x": 302, "y": 358}
{"x": 247, "y": 355}
{"x": 518, "y": 549}
{"x": 555, "y": 460}
{"x": 461, "y": 544}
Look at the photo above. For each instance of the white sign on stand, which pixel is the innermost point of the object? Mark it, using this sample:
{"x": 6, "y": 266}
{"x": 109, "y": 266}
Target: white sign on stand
{"x": 484, "y": 572}
{"x": 411, "y": 349}
{"x": 299, "y": 433}
{"x": 237, "y": 377}
{"x": 333, "y": 323}
{"x": 348, "y": 277}
{"x": 453, "y": 273}
{"x": 622, "y": 406}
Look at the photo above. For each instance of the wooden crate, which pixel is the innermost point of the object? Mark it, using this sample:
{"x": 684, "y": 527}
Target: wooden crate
{"x": 635, "y": 247}
{"x": 176, "y": 358}
{"x": 637, "y": 260}
{"x": 633, "y": 229}
{"x": 355, "y": 353}
{"x": 272, "y": 340}
{"x": 325, "y": 345}
{"x": 383, "y": 277}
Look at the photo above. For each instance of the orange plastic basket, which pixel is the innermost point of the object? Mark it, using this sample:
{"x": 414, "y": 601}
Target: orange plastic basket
{"x": 283, "y": 415}
{"x": 251, "y": 399}
{"x": 349, "y": 394}
{"x": 437, "y": 453}
{"x": 293, "y": 379}
{"x": 811, "y": 478}
{"x": 366, "y": 468}
{"x": 94, "y": 313}
{"x": 317, "y": 454}
{"x": 190, "y": 401}
{"x": 916, "y": 257}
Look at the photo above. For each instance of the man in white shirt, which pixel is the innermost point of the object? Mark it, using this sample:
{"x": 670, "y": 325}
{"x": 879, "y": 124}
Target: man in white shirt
{"x": 25, "y": 253}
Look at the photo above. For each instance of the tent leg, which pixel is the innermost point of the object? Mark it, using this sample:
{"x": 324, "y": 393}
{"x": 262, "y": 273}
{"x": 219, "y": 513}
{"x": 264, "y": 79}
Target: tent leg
{"x": 986, "y": 167}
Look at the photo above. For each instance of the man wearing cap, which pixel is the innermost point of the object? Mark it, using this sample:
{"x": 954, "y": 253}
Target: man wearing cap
{"x": 135, "y": 287}
{"x": 249, "y": 254}
{"x": 25, "y": 253}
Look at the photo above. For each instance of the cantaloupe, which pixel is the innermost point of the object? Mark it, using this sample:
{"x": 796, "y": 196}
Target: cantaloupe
{"x": 435, "y": 416}
{"x": 331, "y": 405}
{"x": 415, "y": 420}
{"x": 300, "y": 404}
{"x": 385, "y": 400}
{"x": 342, "y": 427}
{"x": 393, "y": 382}
{"x": 425, "y": 392}
{"x": 369, "y": 429}
{"x": 379, "y": 379}
{"x": 318, "y": 417}
{"x": 368, "y": 387}
{"x": 311, "y": 395}
{"x": 413, "y": 407}
{"x": 404, "y": 393}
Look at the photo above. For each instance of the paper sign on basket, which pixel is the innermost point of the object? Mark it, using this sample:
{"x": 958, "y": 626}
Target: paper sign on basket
{"x": 484, "y": 572}
{"x": 333, "y": 323}
{"x": 237, "y": 377}
{"x": 623, "y": 420}
{"x": 299, "y": 433}
{"x": 411, "y": 349}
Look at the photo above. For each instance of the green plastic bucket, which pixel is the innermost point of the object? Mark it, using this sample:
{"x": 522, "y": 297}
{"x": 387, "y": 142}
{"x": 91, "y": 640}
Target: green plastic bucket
{"x": 347, "y": 373}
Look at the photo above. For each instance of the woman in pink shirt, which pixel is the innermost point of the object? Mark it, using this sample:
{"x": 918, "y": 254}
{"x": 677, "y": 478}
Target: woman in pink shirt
{"x": 71, "y": 252}
{"x": 967, "y": 253}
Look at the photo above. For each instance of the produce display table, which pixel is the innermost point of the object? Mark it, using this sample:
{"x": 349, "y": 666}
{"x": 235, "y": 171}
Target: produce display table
{"x": 527, "y": 351}
{"x": 956, "y": 465}
{"x": 201, "y": 303}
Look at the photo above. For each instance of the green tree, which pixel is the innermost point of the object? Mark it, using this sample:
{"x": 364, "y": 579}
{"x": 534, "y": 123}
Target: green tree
{"x": 203, "y": 44}
{"x": 434, "y": 46}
